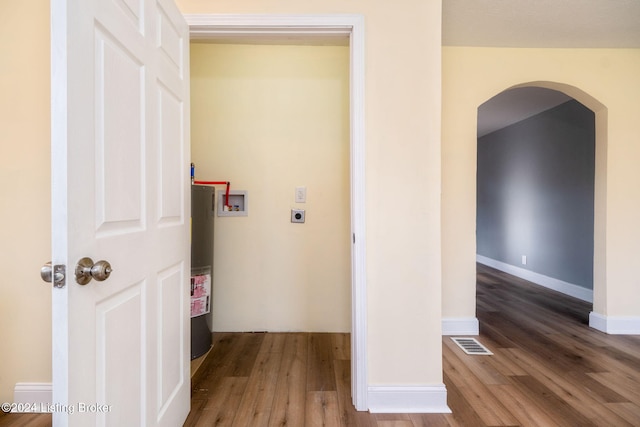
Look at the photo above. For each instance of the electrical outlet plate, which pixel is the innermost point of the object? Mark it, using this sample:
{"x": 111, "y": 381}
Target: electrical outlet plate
{"x": 297, "y": 216}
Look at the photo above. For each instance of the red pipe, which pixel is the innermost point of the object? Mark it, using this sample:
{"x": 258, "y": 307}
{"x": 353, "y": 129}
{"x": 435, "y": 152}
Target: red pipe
{"x": 227, "y": 183}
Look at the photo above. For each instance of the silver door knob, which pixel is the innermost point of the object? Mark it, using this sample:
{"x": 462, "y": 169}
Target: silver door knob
{"x": 87, "y": 270}
{"x": 53, "y": 274}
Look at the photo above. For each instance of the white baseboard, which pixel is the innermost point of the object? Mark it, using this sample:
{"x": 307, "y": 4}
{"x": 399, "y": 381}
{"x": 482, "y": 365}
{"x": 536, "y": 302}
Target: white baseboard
{"x": 37, "y": 394}
{"x": 460, "y": 326}
{"x": 566, "y": 288}
{"x": 615, "y": 325}
{"x": 408, "y": 399}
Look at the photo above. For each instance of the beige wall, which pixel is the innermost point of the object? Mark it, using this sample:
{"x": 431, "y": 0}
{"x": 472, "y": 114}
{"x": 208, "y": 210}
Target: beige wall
{"x": 25, "y": 301}
{"x": 268, "y": 119}
{"x": 403, "y": 175}
{"x": 605, "y": 80}
{"x": 403, "y": 93}
{"x": 402, "y": 103}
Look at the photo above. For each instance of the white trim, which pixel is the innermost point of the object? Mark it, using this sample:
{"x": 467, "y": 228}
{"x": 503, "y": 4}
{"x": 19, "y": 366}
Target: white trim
{"x": 205, "y": 26}
{"x": 359, "y": 367}
{"x": 460, "y": 326}
{"x": 59, "y": 153}
{"x": 615, "y": 325}
{"x": 566, "y": 288}
{"x": 409, "y": 399}
{"x": 39, "y": 395}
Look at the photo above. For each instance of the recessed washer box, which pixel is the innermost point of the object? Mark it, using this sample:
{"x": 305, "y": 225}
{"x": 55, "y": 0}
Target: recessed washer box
{"x": 237, "y": 199}
{"x": 297, "y": 216}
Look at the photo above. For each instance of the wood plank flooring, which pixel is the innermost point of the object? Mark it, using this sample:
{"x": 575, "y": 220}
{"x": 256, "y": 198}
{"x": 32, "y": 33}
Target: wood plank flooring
{"x": 548, "y": 369}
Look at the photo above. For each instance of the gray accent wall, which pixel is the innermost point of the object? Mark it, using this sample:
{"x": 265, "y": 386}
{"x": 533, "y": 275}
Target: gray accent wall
{"x": 535, "y": 194}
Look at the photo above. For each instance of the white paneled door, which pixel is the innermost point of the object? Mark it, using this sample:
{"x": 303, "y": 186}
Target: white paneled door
{"x": 120, "y": 181}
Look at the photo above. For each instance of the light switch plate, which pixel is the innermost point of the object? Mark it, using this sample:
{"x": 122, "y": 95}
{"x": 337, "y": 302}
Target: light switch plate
{"x": 301, "y": 194}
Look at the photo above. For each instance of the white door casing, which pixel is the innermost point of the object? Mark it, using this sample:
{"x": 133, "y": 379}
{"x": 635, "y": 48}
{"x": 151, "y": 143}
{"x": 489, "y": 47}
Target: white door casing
{"x": 322, "y": 26}
{"x": 120, "y": 150}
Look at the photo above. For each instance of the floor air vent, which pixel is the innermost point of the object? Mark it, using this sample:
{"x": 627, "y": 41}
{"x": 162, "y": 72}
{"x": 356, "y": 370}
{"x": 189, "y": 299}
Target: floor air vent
{"x": 472, "y": 346}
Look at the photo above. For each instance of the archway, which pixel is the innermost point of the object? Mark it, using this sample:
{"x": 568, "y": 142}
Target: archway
{"x": 535, "y": 188}
{"x": 606, "y": 82}
{"x": 600, "y": 183}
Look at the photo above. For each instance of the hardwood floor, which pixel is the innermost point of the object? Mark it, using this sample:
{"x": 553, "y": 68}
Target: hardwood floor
{"x": 548, "y": 369}
{"x": 25, "y": 420}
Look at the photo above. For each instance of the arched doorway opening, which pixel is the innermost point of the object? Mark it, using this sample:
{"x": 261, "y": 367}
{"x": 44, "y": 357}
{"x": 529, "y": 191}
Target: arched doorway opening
{"x": 540, "y": 184}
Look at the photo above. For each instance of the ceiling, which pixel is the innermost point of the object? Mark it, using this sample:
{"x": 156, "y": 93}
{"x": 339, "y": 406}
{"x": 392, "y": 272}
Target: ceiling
{"x": 541, "y": 24}
{"x": 514, "y": 105}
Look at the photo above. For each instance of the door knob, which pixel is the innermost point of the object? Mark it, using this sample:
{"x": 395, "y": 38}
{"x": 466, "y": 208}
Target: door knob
{"x": 53, "y": 274}
{"x": 87, "y": 270}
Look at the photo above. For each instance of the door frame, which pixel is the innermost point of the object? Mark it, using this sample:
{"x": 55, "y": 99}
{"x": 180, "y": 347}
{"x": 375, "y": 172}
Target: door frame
{"x": 209, "y": 26}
